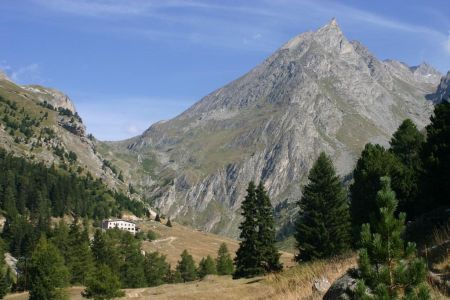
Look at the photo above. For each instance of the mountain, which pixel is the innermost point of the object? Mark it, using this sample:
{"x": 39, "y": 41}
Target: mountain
{"x": 442, "y": 91}
{"x": 318, "y": 92}
{"x": 43, "y": 125}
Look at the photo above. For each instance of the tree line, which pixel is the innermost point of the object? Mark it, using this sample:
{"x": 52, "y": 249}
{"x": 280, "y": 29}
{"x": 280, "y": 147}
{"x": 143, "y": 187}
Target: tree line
{"x": 110, "y": 261}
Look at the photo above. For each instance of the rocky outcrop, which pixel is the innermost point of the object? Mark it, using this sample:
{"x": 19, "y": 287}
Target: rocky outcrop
{"x": 442, "y": 91}
{"x": 53, "y": 97}
{"x": 318, "y": 92}
{"x": 343, "y": 288}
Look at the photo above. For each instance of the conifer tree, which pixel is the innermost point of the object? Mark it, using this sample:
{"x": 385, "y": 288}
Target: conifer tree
{"x": 186, "y": 267}
{"x": 79, "y": 255}
{"x": 207, "y": 266}
{"x": 406, "y": 145}
{"x": 48, "y": 274}
{"x": 323, "y": 227}
{"x": 436, "y": 159}
{"x": 132, "y": 272}
{"x": 224, "y": 262}
{"x": 102, "y": 284}
{"x": 247, "y": 260}
{"x": 270, "y": 257}
{"x": 169, "y": 224}
{"x": 374, "y": 163}
{"x": 389, "y": 267}
{"x": 157, "y": 218}
{"x": 5, "y": 276}
{"x": 156, "y": 269}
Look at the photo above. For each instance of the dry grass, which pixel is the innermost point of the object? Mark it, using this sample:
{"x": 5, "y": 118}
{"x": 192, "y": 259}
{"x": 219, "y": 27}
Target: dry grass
{"x": 297, "y": 282}
{"x": 173, "y": 240}
{"x": 293, "y": 283}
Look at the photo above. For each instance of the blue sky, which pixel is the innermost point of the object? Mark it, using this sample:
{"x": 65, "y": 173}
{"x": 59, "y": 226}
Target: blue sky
{"x": 127, "y": 64}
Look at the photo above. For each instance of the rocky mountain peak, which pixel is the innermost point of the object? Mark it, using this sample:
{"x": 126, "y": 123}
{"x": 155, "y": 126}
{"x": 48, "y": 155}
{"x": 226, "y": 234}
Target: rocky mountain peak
{"x": 319, "y": 92}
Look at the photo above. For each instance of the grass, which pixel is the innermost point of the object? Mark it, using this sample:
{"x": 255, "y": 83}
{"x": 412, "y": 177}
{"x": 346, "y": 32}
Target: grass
{"x": 173, "y": 240}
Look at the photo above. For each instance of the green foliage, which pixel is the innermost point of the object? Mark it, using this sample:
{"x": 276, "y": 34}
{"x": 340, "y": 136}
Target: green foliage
{"x": 224, "y": 262}
{"x": 103, "y": 284}
{"x": 406, "y": 145}
{"x": 5, "y": 277}
{"x": 247, "y": 255}
{"x": 132, "y": 272}
{"x": 151, "y": 235}
{"x": 388, "y": 267}
{"x": 436, "y": 159}
{"x": 207, "y": 266}
{"x": 186, "y": 267}
{"x": 374, "y": 163}
{"x": 257, "y": 253}
{"x": 48, "y": 274}
{"x": 156, "y": 269}
{"x": 323, "y": 227}
{"x": 79, "y": 257}
{"x": 270, "y": 257}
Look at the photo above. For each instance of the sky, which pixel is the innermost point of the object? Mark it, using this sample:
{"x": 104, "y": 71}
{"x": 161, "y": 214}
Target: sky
{"x": 127, "y": 64}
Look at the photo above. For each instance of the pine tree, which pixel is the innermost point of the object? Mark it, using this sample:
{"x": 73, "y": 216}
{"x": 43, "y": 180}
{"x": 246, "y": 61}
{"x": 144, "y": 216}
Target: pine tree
{"x": 157, "y": 218}
{"x": 436, "y": 159}
{"x": 103, "y": 284}
{"x": 374, "y": 163}
{"x": 270, "y": 257}
{"x": 247, "y": 260}
{"x": 156, "y": 269}
{"x": 47, "y": 273}
{"x": 5, "y": 282}
{"x": 79, "y": 255}
{"x": 132, "y": 272}
{"x": 169, "y": 224}
{"x": 207, "y": 266}
{"x": 323, "y": 227}
{"x": 406, "y": 145}
{"x": 389, "y": 267}
{"x": 224, "y": 262}
{"x": 186, "y": 267}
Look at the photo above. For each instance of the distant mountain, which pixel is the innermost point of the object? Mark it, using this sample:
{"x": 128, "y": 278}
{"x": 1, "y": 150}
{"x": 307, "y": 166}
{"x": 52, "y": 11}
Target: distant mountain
{"x": 442, "y": 91}
{"x": 43, "y": 125}
{"x": 318, "y": 92}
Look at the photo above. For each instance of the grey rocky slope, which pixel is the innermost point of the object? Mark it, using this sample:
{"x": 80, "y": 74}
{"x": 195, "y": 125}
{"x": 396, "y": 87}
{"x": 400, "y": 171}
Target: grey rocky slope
{"x": 52, "y": 134}
{"x": 318, "y": 92}
{"x": 443, "y": 90}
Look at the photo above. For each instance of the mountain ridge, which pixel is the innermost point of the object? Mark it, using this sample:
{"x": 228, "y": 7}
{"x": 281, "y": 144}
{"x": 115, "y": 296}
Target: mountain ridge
{"x": 317, "y": 92}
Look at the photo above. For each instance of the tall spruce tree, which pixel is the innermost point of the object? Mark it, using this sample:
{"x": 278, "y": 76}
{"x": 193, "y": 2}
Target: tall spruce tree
{"x": 48, "y": 275}
{"x": 374, "y": 163}
{"x": 79, "y": 255}
{"x": 323, "y": 226}
{"x": 186, "y": 267}
{"x": 224, "y": 262}
{"x": 387, "y": 266}
{"x": 406, "y": 145}
{"x": 247, "y": 260}
{"x": 436, "y": 159}
{"x": 270, "y": 257}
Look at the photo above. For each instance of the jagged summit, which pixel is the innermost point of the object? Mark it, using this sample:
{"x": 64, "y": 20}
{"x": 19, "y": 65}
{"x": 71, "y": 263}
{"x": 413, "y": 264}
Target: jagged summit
{"x": 318, "y": 92}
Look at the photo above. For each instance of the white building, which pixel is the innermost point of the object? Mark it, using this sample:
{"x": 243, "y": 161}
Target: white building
{"x": 120, "y": 224}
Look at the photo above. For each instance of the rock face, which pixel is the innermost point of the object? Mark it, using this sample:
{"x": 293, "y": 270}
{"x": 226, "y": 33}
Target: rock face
{"x": 53, "y": 97}
{"x": 318, "y": 92}
{"x": 53, "y": 133}
{"x": 443, "y": 90}
{"x": 342, "y": 289}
